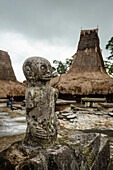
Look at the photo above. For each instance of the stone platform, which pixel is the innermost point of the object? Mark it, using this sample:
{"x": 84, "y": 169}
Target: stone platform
{"x": 72, "y": 150}
{"x": 3, "y": 103}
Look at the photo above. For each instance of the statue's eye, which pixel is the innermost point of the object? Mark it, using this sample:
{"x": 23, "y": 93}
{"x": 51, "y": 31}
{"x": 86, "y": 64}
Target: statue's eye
{"x": 43, "y": 67}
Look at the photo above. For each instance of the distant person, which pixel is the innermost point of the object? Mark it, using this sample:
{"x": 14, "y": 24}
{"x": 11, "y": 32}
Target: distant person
{"x": 11, "y": 101}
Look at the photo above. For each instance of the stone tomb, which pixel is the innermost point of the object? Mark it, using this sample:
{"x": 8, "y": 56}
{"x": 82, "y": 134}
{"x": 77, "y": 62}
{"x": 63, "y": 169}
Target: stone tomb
{"x": 92, "y": 102}
{"x": 47, "y": 146}
{"x": 4, "y": 102}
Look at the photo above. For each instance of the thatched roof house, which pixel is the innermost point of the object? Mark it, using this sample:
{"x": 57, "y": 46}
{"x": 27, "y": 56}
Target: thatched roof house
{"x": 12, "y": 88}
{"x": 87, "y": 75}
{"x": 9, "y": 86}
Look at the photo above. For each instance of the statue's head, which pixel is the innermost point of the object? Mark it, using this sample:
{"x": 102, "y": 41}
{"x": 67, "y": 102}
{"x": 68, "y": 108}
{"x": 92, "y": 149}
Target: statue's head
{"x": 37, "y": 68}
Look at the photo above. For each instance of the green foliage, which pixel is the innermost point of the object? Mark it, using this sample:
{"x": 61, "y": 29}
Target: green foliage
{"x": 109, "y": 67}
{"x": 108, "y": 64}
{"x": 61, "y": 67}
{"x": 109, "y": 47}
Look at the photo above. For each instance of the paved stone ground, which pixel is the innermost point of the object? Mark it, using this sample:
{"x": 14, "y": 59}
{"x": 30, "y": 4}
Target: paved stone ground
{"x": 87, "y": 119}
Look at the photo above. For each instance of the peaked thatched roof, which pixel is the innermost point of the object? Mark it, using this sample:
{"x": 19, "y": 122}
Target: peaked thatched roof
{"x": 6, "y": 69}
{"x": 9, "y": 86}
{"x": 87, "y": 75}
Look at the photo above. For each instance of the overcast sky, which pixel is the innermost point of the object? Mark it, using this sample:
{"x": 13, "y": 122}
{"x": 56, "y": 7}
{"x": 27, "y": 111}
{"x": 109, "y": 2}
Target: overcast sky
{"x": 50, "y": 28}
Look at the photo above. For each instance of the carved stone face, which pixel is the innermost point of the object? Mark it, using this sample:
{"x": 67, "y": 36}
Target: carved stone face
{"x": 37, "y": 68}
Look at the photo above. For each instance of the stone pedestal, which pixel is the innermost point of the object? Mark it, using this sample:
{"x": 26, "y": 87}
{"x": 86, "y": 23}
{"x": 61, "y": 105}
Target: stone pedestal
{"x": 71, "y": 151}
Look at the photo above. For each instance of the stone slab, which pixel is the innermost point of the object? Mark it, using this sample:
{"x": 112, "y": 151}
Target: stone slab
{"x": 72, "y": 150}
{"x": 4, "y": 100}
{"x": 106, "y": 105}
{"x": 86, "y": 99}
{"x": 16, "y": 106}
{"x": 3, "y": 104}
{"x": 72, "y": 116}
{"x": 65, "y": 102}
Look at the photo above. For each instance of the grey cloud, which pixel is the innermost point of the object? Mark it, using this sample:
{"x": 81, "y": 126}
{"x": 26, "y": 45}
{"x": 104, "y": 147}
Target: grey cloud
{"x": 54, "y": 19}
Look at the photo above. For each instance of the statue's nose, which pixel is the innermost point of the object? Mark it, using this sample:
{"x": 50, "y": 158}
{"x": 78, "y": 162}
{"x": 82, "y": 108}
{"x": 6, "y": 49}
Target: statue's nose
{"x": 48, "y": 71}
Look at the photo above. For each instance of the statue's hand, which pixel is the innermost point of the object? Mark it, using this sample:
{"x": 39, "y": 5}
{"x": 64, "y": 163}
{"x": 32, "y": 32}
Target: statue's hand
{"x": 29, "y": 105}
{"x": 56, "y": 94}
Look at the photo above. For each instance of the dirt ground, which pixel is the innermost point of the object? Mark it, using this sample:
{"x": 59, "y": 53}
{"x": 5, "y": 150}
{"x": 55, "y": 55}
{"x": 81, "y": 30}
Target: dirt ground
{"x": 6, "y": 141}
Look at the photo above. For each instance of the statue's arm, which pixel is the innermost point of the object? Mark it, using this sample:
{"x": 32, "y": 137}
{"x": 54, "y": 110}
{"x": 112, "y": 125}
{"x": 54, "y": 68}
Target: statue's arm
{"x": 30, "y": 100}
{"x": 56, "y": 94}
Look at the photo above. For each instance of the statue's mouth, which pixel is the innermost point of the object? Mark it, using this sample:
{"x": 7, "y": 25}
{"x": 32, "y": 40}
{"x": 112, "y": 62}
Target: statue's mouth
{"x": 46, "y": 78}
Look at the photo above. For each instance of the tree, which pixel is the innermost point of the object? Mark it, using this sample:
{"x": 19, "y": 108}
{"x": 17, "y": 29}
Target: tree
{"x": 61, "y": 67}
{"x": 108, "y": 63}
{"x": 109, "y": 46}
{"x": 109, "y": 67}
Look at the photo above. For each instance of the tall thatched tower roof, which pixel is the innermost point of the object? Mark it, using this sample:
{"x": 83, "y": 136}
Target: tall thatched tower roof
{"x": 88, "y": 56}
{"x": 87, "y": 74}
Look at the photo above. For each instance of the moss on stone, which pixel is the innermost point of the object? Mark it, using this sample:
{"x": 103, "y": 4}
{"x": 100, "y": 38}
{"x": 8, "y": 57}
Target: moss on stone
{"x": 90, "y": 160}
{"x": 86, "y": 150}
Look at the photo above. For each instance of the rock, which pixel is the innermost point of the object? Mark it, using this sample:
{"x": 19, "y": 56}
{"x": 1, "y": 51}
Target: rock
{"x": 65, "y": 102}
{"x": 87, "y": 99}
{"x": 102, "y": 156}
{"x": 16, "y": 106}
{"x": 71, "y": 116}
{"x": 62, "y": 157}
{"x": 60, "y": 116}
{"x": 4, "y": 102}
{"x": 57, "y": 113}
{"x": 106, "y": 105}
{"x": 72, "y": 151}
{"x": 110, "y": 114}
{"x": 67, "y": 114}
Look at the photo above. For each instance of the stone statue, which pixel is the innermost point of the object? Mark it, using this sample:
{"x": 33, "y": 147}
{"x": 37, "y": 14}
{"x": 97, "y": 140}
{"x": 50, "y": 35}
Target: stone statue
{"x": 40, "y": 102}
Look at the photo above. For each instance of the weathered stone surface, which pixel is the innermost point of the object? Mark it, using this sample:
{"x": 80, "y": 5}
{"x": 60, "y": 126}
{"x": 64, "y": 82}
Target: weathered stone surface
{"x": 62, "y": 157}
{"x": 88, "y": 99}
{"x": 4, "y": 100}
{"x": 40, "y": 102}
{"x": 71, "y": 151}
{"x": 16, "y": 106}
{"x": 71, "y": 116}
{"x": 65, "y": 102}
{"x": 3, "y": 103}
{"x": 102, "y": 156}
{"x": 111, "y": 114}
{"x": 92, "y": 119}
{"x": 106, "y": 105}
